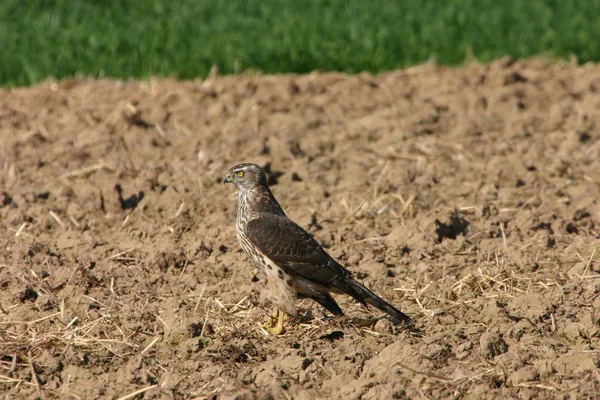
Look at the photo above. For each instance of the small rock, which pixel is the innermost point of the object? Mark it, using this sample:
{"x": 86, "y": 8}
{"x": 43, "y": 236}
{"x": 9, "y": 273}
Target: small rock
{"x": 526, "y": 374}
{"x": 466, "y": 346}
{"x": 576, "y": 363}
{"x": 544, "y": 368}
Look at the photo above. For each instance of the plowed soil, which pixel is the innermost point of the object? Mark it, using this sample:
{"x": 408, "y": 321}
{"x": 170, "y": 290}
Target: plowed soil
{"x": 468, "y": 197}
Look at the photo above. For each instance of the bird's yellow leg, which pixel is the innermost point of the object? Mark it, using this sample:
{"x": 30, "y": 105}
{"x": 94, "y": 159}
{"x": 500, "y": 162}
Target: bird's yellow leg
{"x": 279, "y": 329}
{"x": 270, "y": 323}
{"x": 275, "y": 323}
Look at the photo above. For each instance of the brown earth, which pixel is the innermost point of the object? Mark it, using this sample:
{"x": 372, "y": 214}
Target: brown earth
{"x": 468, "y": 197}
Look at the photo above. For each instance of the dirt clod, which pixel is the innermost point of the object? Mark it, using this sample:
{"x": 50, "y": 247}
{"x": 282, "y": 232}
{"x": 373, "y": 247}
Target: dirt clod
{"x": 492, "y": 344}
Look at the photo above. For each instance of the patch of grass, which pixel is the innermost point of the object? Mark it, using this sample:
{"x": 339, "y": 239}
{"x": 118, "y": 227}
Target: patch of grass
{"x": 129, "y": 38}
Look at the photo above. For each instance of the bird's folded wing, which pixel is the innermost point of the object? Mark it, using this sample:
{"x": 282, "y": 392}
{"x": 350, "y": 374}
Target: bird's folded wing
{"x": 293, "y": 249}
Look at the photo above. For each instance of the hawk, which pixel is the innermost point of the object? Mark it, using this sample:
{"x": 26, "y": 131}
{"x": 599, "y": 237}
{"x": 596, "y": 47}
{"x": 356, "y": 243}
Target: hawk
{"x": 292, "y": 263}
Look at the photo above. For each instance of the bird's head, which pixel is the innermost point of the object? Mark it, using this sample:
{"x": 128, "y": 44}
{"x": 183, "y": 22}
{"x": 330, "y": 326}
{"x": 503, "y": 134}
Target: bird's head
{"x": 246, "y": 176}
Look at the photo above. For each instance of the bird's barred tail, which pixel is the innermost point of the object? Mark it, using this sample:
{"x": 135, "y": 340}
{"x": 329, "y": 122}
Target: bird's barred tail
{"x": 367, "y": 296}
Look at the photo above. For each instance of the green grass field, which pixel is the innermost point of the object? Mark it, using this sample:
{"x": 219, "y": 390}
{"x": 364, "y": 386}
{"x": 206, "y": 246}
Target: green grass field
{"x": 184, "y": 38}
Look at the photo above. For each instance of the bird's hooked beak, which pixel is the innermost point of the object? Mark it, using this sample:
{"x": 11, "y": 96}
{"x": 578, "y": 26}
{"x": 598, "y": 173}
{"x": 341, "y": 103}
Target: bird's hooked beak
{"x": 228, "y": 178}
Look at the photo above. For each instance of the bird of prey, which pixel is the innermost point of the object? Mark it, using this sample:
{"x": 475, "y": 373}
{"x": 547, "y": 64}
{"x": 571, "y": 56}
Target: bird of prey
{"x": 293, "y": 264}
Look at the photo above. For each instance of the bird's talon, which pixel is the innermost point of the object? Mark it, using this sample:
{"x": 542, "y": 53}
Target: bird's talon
{"x": 276, "y": 330}
{"x": 275, "y": 323}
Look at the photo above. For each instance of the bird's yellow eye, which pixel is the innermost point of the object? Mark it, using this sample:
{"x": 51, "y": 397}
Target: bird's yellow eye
{"x": 240, "y": 173}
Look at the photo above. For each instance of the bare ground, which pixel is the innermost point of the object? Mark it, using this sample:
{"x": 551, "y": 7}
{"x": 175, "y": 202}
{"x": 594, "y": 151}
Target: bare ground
{"x": 468, "y": 197}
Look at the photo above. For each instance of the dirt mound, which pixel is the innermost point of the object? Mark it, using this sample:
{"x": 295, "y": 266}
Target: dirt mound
{"x": 468, "y": 197}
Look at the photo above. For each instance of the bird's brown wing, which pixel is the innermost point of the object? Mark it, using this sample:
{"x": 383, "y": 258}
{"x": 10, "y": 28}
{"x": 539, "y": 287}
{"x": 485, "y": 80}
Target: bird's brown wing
{"x": 298, "y": 253}
{"x": 293, "y": 249}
